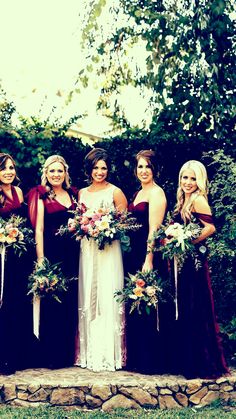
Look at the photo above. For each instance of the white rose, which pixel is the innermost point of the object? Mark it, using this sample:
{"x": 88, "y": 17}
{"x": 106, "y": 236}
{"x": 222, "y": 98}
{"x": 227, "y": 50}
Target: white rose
{"x": 150, "y": 291}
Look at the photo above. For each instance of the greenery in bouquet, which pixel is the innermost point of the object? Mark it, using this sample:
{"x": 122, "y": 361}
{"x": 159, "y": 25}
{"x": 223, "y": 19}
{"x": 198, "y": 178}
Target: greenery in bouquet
{"x": 47, "y": 280}
{"x": 14, "y": 232}
{"x": 175, "y": 240}
{"x": 143, "y": 291}
{"x": 104, "y": 225}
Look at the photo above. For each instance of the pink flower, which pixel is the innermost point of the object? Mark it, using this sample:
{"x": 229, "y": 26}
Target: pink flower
{"x": 85, "y": 228}
{"x": 96, "y": 217}
{"x": 84, "y": 220}
{"x": 140, "y": 282}
{"x": 13, "y": 232}
{"x": 94, "y": 233}
{"x": 71, "y": 225}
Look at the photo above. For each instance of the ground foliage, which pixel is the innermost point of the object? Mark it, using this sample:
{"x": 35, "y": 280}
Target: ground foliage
{"x": 217, "y": 410}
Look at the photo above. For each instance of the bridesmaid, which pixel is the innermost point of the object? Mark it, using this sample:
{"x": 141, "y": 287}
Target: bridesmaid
{"x": 148, "y": 206}
{"x": 197, "y": 347}
{"x": 49, "y": 208}
{"x": 15, "y": 327}
{"x": 101, "y": 319}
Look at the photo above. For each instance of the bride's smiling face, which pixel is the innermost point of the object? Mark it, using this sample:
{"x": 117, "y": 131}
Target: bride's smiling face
{"x": 99, "y": 172}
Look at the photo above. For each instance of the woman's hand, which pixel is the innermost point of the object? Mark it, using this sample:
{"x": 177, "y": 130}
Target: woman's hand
{"x": 40, "y": 262}
{"x": 147, "y": 266}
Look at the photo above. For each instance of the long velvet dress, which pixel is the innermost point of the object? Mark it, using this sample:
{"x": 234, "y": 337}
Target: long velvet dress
{"x": 15, "y": 320}
{"x": 58, "y": 321}
{"x": 145, "y": 344}
{"x": 197, "y": 350}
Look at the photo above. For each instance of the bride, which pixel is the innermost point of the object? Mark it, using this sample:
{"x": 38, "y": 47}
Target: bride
{"x": 100, "y": 344}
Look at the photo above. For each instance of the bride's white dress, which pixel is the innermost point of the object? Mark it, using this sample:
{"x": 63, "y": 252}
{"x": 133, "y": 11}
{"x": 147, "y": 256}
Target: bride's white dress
{"x": 101, "y": 318}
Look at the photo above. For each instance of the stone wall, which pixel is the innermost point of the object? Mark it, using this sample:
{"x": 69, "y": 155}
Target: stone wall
{"x": 106, "y": 391}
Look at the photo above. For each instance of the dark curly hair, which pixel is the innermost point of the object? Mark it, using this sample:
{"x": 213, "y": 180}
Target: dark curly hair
{"x": 93, "y": 157}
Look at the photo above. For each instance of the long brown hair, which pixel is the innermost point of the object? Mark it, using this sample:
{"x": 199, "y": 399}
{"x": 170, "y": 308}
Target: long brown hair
{"x": 150, "y": 157}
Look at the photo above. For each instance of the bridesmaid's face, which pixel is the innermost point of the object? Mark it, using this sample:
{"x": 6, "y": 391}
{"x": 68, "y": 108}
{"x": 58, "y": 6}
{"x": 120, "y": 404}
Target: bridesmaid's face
{"x": 56, "y": 174}
{"x": 144, "y": 171}
{"x": 188, "y": 182}
{"x": 8, "y": 173}
{"x": 100, "y": 171}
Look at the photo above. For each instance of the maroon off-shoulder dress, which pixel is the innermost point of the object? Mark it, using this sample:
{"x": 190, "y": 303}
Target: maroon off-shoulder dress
{"x": 196, "y": 345}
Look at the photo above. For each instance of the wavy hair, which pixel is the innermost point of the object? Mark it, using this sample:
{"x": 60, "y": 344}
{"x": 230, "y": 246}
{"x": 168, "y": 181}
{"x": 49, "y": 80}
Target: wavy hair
{"x": 50, "y": 160}
{"x": 3, "y": 158}
{"x": 150, "y": 157}
{"x": 185, "y": 208}
{"x": 92, "y": 158}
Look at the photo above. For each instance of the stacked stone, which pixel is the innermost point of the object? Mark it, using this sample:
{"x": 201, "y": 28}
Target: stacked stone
{"x": 112, "y": 390}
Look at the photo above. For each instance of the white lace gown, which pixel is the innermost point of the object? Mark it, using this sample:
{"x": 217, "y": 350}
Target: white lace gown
{"x": 101, "y": 318}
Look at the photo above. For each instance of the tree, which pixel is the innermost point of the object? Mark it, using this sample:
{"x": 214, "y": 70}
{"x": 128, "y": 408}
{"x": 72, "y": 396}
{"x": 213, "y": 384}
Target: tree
{"x": 189, "y": 52}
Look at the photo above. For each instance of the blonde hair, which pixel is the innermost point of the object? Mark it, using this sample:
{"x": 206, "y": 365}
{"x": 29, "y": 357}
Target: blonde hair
{"x": 185, "y": 208}
{"x": 53, "y": 159}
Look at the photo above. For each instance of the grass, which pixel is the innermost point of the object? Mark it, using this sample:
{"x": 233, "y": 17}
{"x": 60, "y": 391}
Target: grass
{"x": 214, "y": 411}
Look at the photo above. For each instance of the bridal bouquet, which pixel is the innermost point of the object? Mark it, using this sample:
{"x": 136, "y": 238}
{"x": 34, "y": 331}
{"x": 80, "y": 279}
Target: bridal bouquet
{"x": 175, "y": 240}
{"x": 104, "y": 225}
{"x": 47, "y": 280}
{"x": 13, "y": 232}
{"x": 143, "y": 290}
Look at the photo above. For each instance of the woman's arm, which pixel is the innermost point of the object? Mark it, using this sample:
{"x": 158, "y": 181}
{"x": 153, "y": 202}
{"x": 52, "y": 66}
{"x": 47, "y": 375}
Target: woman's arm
{"x": 120, "y": 200}
{"x": 201, "y": 206}
{"x": 39, "y": 229}
{"x": 157, "y": 209}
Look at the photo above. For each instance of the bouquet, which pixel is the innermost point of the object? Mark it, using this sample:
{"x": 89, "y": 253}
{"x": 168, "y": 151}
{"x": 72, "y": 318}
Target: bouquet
{"x": 13, "y": 232}
{"x": 175, "y": 240}
{"x": 47, "y": 280}
{"x": 104, "y": 225}
{"x": 144, "y": 291}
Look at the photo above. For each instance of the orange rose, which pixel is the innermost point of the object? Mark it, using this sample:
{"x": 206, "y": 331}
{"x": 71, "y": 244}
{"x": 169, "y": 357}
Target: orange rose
{"x": 140, "y": 282}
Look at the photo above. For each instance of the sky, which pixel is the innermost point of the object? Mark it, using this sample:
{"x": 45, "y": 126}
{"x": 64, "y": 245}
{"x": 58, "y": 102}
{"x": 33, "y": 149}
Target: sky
{"x": 41, "y": 57}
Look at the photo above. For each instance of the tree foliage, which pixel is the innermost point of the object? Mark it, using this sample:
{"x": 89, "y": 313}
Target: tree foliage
{"x": 186, "y": 62}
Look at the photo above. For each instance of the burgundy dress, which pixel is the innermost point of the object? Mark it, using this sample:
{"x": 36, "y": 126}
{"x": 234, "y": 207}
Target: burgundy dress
{"x": 197, "y": 350}
{"x": 145, "y": 344}
{"x": 15, "y": 319}
{"x": 58, "y": 321}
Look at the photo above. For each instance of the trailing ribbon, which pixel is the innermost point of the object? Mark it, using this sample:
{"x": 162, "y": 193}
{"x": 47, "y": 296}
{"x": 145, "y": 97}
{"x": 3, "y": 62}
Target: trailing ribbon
{"x": 94, "y": 290}
{"x": 3, "y": 253}
{"x": 176, "y": 287}
{"x": 36, "y": 315}
{"x": 158, "y": 322}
